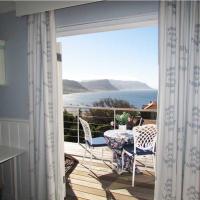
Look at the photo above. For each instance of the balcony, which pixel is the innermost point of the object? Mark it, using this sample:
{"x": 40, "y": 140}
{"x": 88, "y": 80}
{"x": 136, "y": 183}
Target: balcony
{"x": 102, "y": 182}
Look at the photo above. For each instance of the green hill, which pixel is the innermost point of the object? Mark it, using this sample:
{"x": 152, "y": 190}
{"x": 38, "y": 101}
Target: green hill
{"x": 98, "y": 85}
{"x": 70, "y": 86}
{"x": 129, "y": 85}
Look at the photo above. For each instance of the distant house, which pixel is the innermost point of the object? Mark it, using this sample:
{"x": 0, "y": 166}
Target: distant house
{"x": 152, "y": 105}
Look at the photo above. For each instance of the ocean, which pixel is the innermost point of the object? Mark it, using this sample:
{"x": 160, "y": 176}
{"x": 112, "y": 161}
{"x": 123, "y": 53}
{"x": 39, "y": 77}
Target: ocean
{"x": 136, "y": 98}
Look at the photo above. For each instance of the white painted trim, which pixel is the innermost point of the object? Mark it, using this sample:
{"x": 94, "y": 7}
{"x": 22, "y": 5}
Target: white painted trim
{"x": 151, "y": 19}
{"x": 15, "y": 133}
{"x": 17, "y": 120}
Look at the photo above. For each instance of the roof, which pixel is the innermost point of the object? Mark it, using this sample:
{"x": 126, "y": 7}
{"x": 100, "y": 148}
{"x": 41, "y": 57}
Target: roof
{"x": 151, "y": 105}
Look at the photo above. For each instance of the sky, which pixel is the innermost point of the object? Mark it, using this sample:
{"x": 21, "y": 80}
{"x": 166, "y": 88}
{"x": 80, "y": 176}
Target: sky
{"x": 129, "y": 54}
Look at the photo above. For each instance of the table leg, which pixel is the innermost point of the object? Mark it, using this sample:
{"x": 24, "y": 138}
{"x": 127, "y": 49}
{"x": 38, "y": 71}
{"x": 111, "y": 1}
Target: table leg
{"x": 15, "y": 179}
{"x": 115, "y": 167}
{"x": 112, "y": 159}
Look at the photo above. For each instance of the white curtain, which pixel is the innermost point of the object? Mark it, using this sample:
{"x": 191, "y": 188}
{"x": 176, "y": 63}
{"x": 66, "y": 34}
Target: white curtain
{"x": 178, "y": 148}
{"x": 45, "y": 99}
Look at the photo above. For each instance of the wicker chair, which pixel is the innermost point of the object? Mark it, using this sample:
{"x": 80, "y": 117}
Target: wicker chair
{"x": 144, "y": 145}
{"x": 91, "y": 142}
{"x": 70, "y": 165}
{"x": 1, "y": 190}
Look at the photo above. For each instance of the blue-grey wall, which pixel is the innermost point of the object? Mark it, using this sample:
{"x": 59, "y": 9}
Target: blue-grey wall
{"x": 14, "y": 95}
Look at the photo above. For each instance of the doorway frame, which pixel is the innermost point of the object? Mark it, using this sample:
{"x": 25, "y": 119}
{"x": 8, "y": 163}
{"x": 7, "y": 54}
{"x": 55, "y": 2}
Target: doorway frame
{"x": 149, "y": 19}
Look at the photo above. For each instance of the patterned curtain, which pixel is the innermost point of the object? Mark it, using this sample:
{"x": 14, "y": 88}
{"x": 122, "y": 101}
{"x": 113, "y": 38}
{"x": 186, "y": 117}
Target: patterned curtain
{"x": 178, "y": 148}
{"x": 45, "y": 95}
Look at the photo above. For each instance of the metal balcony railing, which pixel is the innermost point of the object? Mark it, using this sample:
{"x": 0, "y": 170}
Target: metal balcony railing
{"x": 72, "y": 128}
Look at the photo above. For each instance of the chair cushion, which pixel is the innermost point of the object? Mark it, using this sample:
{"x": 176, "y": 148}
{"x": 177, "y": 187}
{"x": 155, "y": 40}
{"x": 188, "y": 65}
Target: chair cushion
{"x": 130, "y": 149}
{"x": 98, "y": 142}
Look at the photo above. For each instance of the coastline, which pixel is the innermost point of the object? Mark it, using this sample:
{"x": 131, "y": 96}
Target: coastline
{"x": 134, "y": 97}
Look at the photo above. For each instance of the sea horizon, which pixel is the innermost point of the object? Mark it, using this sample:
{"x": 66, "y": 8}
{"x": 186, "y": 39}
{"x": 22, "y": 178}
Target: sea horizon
{"x": 137, "y": 98}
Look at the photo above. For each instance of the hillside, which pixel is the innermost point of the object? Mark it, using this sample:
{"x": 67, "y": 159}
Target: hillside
{"x": 98, "y": 85}
{"x": 70, "y": 86}
{"x": 129, "y": 85}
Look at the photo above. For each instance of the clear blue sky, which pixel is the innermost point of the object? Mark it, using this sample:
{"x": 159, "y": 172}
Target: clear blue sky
{"x": 130, "y": 54}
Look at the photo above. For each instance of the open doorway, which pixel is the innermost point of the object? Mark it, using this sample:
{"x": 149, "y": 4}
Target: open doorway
{"x": 107, "y": 75}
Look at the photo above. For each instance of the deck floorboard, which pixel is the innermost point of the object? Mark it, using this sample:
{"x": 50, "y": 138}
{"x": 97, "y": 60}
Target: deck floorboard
{"x": 102, "y": 183}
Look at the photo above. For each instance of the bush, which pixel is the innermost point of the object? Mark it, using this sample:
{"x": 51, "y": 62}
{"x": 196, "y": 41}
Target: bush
{"x": 99, "y": 120}
{"x": 106, "y": 116}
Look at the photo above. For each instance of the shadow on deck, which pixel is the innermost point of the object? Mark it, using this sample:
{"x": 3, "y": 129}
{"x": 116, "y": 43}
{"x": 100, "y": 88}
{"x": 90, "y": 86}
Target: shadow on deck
{"x": 102, "y": 183}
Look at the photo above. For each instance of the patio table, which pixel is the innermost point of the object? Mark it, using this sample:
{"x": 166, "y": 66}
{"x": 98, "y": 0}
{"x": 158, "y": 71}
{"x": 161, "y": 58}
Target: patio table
{"x": 116, "y": 140}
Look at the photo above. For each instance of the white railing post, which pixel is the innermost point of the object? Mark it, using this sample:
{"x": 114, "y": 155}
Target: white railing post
{"x": 78, "y": 125}
{"x": 114, "y": 118}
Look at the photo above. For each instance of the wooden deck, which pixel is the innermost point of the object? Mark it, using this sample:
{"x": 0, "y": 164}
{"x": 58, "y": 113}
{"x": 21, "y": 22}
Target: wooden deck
{"x": 102, "y": 183}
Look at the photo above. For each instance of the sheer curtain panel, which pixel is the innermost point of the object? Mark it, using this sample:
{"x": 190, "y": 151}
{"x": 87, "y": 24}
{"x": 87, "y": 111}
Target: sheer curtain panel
{"x": 178, "y": 148}
{"x": 45, "y": 103}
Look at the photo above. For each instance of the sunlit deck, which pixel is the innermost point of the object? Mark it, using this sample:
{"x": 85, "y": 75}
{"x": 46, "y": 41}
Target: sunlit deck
{"x": 101, "y": 182}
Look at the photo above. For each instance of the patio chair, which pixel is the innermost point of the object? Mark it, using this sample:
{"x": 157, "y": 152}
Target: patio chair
{"x": 70, "y": 164}
{"x": 139, "y": 122}
{"x": 131, "y": 124}
{"x": 144, "y": 145}
{"x": 90, "y": 142}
